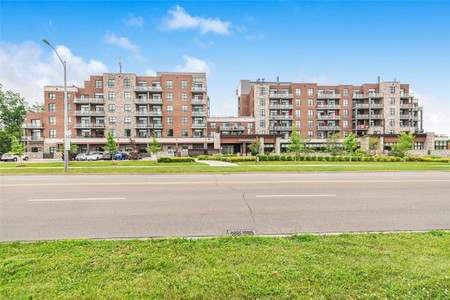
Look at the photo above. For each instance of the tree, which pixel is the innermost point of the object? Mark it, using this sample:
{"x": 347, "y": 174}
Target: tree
{"x": 17, "y": 148}
{"x": 72, "y": 149}
{"x": 36, "y": 108}
{"x": 12, "y": 113}
{"x": 111, "y": 144}
{"x": 154, "y": 147}
{"x": 374, "y": 144}
{"x": 295, "y": 143}
{"x": 5, "y": 141}
{"x": 405, "y": 143}
{"x": 350, "y": 143}
{"x": 333, "y": 145}
{"x": 255, "y": 146}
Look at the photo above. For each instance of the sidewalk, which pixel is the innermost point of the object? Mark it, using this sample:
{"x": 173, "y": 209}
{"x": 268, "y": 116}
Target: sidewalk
{"x": 216, "y": 163}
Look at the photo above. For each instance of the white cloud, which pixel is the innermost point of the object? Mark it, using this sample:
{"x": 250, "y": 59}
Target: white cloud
{"x": 124, "y": 43}
{"x": 203, "y": 45}
{"x": 179, "y": 19}
{"x": 26, "y": 69}
{"x": 134, "y": 21}
{"x": 193, "y": 65}
{"x": 150, "y": 72}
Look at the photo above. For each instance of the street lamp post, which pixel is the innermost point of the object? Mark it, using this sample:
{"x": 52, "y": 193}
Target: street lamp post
{"x": 66, "y": 134}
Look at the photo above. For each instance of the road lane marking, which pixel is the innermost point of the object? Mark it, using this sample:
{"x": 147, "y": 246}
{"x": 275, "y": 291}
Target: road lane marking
{"x": 271, "y": 196}
{"x": 226, "y": 182}
{"x": 75, "y": 199}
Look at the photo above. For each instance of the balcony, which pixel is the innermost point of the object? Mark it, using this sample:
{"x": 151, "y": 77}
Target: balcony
{"x": 87, "y": 136}
{"x": 328, "y": 117}
{"x": 33, "y": 125}
{"x": 361, "y": 127}
{"x": 281, "y": 117}
{"x": 376, "y": 95}
{"x": 198, "y": 125}
{"x": 417, "y": 108}
{"x": 328, "y": 106}
{"x": 89, "y": 125}
{"x": 232, "y": 128}
{"x": 148, "y": 89}
{"x": 32, "y": 138}
{"x": 89, "y": 100}
{"x": 360, "y": 105}
{"x": 198, "y": 89}
{"x": 360, "y": 96}
{"x": 404, "y": 95}
{"x": 281, "y": 96}
{"x": 328, "y": 96}
{"x": 329, "y": 127}
{"x": 407, "y": 117}
{"x": 281, "y": 106}
{"x": 377, "y": 117}
{"x": 408, "y": 105}
{"x": 89, "y": 113}
{"x": 376, "y": 105}
{"x": 148, "y": 113}
{"x": 198, "y": 114}
{"x": 280, "y": 128}
{"x": 143, "y": 125}
{"x": 158, "y": 125}
{"x": 148, "y": 101}
{"x": 198, "y": 101}
{"x": 360, "y": 116}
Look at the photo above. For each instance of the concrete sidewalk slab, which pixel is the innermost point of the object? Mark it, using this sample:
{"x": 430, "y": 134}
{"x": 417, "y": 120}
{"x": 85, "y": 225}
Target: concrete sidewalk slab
{"x": 216, "y": 163}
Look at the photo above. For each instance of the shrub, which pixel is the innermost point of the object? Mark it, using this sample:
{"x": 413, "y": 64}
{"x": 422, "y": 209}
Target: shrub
{"x": 241, "y": 158}
{"x": 165, "y": 159}
{"x": 320, "y": 158}
{"x": 203, "y": 157}
{"x": 263, "y": 157}
{"x": 276, "y": 157}
{"x": 333, "y": 158}
{"x": 283, "y": 157}
{"x": 340, "y": 158}
{"x": 289, "y": 158}
{"x": 327, "y": 158}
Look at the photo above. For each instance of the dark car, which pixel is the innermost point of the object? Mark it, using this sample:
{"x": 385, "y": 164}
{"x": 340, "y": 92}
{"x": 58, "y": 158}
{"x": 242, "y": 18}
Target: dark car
{"x": 108, "y": 156}
{"x": 120, "y": 156}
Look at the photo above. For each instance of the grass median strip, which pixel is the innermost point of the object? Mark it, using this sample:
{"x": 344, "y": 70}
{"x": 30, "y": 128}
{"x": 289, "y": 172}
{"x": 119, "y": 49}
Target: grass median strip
{"x": 395, "y": 265}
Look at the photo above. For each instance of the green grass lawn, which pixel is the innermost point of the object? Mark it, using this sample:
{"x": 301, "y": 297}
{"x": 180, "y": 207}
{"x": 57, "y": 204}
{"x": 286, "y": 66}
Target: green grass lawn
{"x": 369, "y": 266}
{"x": 149, "y": 167}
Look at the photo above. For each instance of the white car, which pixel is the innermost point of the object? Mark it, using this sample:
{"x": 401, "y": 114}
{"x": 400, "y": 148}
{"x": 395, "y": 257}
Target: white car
{"x": 95, "y": 156}
{"x": 81, "y": 156}
{"x": 13, "y": 157}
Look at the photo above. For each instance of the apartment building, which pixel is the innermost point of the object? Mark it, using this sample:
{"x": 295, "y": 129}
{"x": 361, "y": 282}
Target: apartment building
{"x": 171, "y": 106}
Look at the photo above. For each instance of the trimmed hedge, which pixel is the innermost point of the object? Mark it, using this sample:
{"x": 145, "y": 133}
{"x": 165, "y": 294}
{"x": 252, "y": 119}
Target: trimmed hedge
{"x": 165, "y": 159}
{"x": 240, "y": 159}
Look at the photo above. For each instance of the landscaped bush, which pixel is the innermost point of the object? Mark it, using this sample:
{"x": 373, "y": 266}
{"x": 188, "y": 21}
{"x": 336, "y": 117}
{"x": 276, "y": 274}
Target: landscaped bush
{"x": 241, "y": 158}
{"x": 340, "y": 158}
{"x": 165, "y": 159}
{"x": 276, "y": 157}
{"x": 327, "y": 158}
{"x": 283, "y": 157}
{"x": 263, "y": 157}
{"x": 202, "y": 157}
{"x": 360, "y": 152}
{"x": 289, "y": 158}
{"x": 319, "y": 158}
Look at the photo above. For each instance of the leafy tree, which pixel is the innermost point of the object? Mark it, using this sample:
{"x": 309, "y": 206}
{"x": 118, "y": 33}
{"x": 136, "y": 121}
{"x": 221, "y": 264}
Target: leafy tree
{"x": 374, "y": 144}
{"x": 17, "y": 148}
{"x": 12, "y": 113}
{"x": 72, "y": 150}
{"x": 154, "y": 147}
{"x": 296, "y": 144}
{"x": 5, "y": 141}
{"x": 36, "y": 108}
{"x": 405, "y": 143}
{"x": 350, "y": 144}
{"x": 333, "y": 145}
{"x": 111, "y": 144}
{"x": 255, "y": 146}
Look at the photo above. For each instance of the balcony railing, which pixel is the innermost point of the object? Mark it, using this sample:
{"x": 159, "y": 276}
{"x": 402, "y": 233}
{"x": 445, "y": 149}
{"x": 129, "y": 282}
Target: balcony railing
{"x": 198, "y": 89}
{"x": 143, "y": 125}
{"x": 329, "y": 127}
{"x": 232, "y": 128}
{"x": 281, "y": 117}
{"x": 360, "y": 116}
{"x": 405, "y": 117}
{"x": 148, "y": 113}
{"x": 328, "y": 117}
{"x": 281, "y": 106}
{"x": 376, "y": 105}
{"x": 198, "y": 125}
{"x": 375, "y": 95}
{"x": 407, "y": 105}
{"x": 404, "y": 95}
{"x": 328, "y": 96}
{"x": 328, "y": 106}
{"x": 376, "y": 116}
{"x": 417, "y": 108}
{"x": 148, "y": 88}
{"x": 281, "y": 96}
{"x": 199, "y": 113}
{"x": 280, "y": 127}
{"x": 365, "y": 96}
{"x": 89, "y": 100}
{"x": 32, "y": 138}
{"x": 148, "y": 100}
{"x": 361, "y": 127}
{"x": 158, "y": 125}
{"x": 33, "y": 125}
{"x": 360, "y": 105}
{"x": 89, "y": 113}
{"x": 198, "y": 101}
{"x": 89, "y": 125}
{"x": 90, "y": 137}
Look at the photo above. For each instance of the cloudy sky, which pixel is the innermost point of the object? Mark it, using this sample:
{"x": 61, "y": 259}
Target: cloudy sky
{"x": 329, "y": 42}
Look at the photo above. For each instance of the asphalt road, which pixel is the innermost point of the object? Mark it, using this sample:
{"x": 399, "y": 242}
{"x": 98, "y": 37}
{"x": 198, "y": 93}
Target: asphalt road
{"x": 124, "y": 206}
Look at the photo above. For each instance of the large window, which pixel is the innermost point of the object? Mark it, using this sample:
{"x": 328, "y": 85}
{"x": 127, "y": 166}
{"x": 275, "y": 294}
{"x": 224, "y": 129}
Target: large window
{"x": 52, "y": 133}
{"x": 392, "y": 90}
{"x": 184, "y": 97}
{"x": 112, "y": 108}
{"x": 310, "y": 113}
{"x": 184, "y": 108}
{"x": 111, "y": 95}
{"x": 440, "y": 145}
{"x": 127, "y": 83}
{"x": 345, "y": 102}
{"x": 169, "y": 108}
{"x": 310, "y": 123}
{"x": 184, "y": 121}
{"x": 52, "y": 120}
{"x": 262, "y": 101}
{"x": 112, "y": 120}
{"x": 169, "y": 120}
{"x": 262, "y": 91}
{"x": 51, "y": 96}
{"x": 262, "y": 112}
{"x": 418, "y": 146}
{"x": 127, "y": 107}
{"x": 310, "y": 92}
{"x": 298, "y": 102}
{"x": 51, "y": 107}
{"x": 183, "y": 84}
{"x": 111, "y": 83}
{"x": 345, "y": 92}
{"x": 127, "y": 120}
{"x": 127, "y": 95}
{"x": 98, "y": 84}
{"x": 345, "y": 123}
{"x": 169, "y": 96}
{"x": 184, "y": 132}
{"x": 169, "y": 84}
{"x": 298, "y": 92}
{"x": 298, "y": 124}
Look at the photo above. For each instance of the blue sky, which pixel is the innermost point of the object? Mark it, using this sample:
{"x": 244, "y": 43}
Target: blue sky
{"x": 330, "y": 42}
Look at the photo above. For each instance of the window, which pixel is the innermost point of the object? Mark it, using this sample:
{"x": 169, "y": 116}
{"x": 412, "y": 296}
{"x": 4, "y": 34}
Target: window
{"x": 127, "y": 132}
{"x": 262, "y": 101}
{"x": 169, "y": 84}
{"x": 298, "y": 124}
{"x": 127, "y": 107}
{"x": 52, "y": 149}
{"x": 52, "y": 133}
{"x": 345, "y": 112}
{"x": 183, "y": 84}
{"x": 310, "y": 92}
{"x": 68, "y": 96}
{"x": 418, "y": 146}
{"x": 51, "y": 107}
{"x": 111, "y": 83}
{"x": 169, "y": 132}
{"x": 112, "y": 120}
{"x": 345, "y": 123}
{"x": 169, "y": 96}
{"x": 69, "y": 107}
{"x": 127, "y": 121}
{"x": 391, "y": 132}
{"x": 310, "y": 134}
{"x": 346, "y": 92}
{"x": 51, "y": 96}
{"x": 262, "y": 91}
{"x": 310, "y": 123}
{"x": 111, "y": 95}
{"x": 183, "y": 96}
{"x": 345, "y": 133}
{"x": 127, "y": 83}
{"x": 52, "y": 120}
{"x": 169, "y": 108}
{"x": 262, "y": 123}
{"x": 392, "y": 101}
{"x": 112, "y": 108}
{"x": 298, "y": 102}
{"x": 298, "y": 112}
{"x": 113, "y": 132}
{"x": 184, "y": 132}
{"x": 391, "y": 122}
{"x": 184, "y": 121}
{"x": 345, "y": 102}
{"x": 169, "y": 120}
{"x": 98, "y": 84}
{"x": 440, "y": 145}
{"x": 392, "y": 90}
{"x": 298, "y": 92}
{"x": 127, "y": 95}
{"x": 392, "y": 111}
{"x": 212, "y": 125}
{"x": 250, "y": 125}
{"x": 183, "y": 108}
{"x": 310, "y": 102}
{"x": 262, "y": 112}
{"x": 310, "y": 113}
{"x": 69, "y": 120}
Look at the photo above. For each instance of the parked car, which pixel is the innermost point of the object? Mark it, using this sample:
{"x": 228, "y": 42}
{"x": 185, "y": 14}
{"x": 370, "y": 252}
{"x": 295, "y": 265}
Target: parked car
{"x": 121, "y": 156}
{"x": 94, "y": 156}
{"x": 108, "y": 156}
{"x": 13, "y": 156}
{"x": 81, "y": 156}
